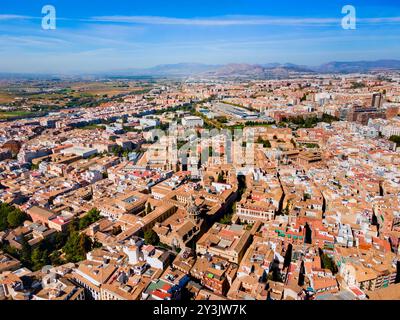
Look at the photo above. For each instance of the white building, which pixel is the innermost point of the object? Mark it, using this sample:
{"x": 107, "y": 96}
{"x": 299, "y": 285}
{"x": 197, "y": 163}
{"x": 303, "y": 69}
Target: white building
{"x": 345, "y": 236}
{"x": 80, "y": 151}
{"x": 192, "y": 122}
{"x": 391, "y": 130}
{"x": 92, "y": 176}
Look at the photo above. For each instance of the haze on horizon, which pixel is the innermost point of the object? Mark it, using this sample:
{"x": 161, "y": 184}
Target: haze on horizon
{"x": 137, "y": 34}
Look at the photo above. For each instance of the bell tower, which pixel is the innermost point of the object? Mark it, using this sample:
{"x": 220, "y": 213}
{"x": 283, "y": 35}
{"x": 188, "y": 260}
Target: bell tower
{"x": 193, "y": 210}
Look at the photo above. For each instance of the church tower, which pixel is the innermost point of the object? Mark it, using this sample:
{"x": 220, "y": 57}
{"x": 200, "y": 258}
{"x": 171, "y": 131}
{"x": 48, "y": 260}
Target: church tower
{"x": 193, "y": 210}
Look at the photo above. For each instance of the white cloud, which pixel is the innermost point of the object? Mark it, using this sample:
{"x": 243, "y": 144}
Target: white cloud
{"x": 380, "y": 20}
{"x": 237, "y": 20}
{"x": 14, "y": 17}
{"x": 218, "y": 21}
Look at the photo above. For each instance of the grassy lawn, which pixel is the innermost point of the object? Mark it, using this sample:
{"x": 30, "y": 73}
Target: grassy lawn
{"x": 11, "y": 114}
{"x": 93, "y": 127}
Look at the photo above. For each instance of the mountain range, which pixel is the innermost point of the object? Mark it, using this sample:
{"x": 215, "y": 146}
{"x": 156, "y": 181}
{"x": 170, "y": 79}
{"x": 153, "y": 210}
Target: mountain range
{"x": 232, "y": 70}
{"x": 268, "y": 70}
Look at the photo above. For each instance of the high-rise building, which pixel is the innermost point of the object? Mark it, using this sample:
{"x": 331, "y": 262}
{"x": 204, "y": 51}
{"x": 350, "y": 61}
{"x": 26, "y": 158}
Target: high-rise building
{"x": 377, "y": 100}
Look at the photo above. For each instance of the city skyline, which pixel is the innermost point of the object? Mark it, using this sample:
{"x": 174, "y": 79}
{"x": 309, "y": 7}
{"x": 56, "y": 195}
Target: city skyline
{"x": 105, "y": 38}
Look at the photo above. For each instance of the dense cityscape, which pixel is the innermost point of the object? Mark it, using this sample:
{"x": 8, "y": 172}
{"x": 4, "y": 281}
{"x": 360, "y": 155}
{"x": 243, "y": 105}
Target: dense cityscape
{"x": 204, "y": 188}
{"x": 191, "y": 159}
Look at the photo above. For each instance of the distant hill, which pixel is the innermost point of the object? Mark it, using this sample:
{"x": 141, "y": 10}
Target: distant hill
{"x": 263, "y": 71}
{"x": 179, "y": 69}
{"x": 235, "y": 70}
{"x": 358, "y": 66}
{"x": 273, "y": 70}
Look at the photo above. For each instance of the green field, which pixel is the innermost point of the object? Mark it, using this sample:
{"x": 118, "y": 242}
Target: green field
{"x": 93, "y": 127}
{"x": 12, "y": 114}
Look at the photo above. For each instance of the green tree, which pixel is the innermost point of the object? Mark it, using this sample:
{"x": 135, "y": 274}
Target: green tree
{"x": 3, "y": 221}
{"x": 286, "y": 210}
{"x": 77, "y": 246}
{"x": 16, "y": 217}
{"x": 73, "y": 226}
{"x": 150, "y": 237}
{"x": 59, "y": 240}
{"x": 39, "y": 258}
{"x": 35, "y": 166}
{"x": 327, "y": 262}
{"x": 36, "y": 257}
{"x": 11, "y": 217}
{"x": 55, "y": 258}
{"x": 117, "y": 151}
{"x": 265, "y": 143}
{"x": 306, "y": 196}
{"x": 91, "y": 217}
{"x": 395, "y": 139}
{"x": 226, "y": 219}
{"x": 25, "y": 252}
{"x": 85, "y": 243}
{"x": 357, "y": 85}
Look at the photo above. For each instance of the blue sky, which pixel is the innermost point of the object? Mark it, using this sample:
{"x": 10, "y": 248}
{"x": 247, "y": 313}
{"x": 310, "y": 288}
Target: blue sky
{"x": 121, "y": 34}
